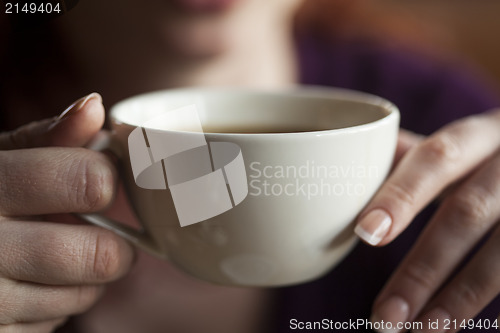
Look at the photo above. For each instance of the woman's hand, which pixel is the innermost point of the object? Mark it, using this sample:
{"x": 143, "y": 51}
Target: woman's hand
{"x": 49, "y": 271}
{"x": 460, "y": 164}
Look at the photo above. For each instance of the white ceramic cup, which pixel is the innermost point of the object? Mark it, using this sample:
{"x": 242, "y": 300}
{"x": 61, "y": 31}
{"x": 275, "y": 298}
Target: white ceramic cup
{"x": 303, "y": 189}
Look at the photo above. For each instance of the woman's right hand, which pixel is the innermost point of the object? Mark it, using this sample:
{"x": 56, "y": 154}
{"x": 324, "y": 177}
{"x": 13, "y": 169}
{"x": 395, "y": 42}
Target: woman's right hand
{"x": 48, "y": 270}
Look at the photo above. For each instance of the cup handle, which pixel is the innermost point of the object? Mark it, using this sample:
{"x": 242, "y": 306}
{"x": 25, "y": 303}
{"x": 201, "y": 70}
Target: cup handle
{"x": 104, "y": 142}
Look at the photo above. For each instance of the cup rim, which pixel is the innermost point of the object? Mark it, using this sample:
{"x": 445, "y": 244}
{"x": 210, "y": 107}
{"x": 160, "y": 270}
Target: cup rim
{"x": 392, "y": 111}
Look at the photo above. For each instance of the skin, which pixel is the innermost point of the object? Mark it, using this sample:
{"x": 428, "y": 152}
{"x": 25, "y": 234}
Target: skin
{"x": 41, "y": 286}
{"x": 53, "y": 267}
{"x": 460, "y": 167}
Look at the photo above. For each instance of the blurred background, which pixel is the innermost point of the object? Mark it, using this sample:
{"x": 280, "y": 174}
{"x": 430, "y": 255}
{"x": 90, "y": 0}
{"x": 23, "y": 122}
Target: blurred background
{"x": 463, "y": 31}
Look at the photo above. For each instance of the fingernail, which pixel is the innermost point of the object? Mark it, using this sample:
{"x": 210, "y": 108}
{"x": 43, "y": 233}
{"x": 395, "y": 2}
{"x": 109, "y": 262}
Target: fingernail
{"x": 434, "y": 321}
{"x": 75, "y": 107}
{"x": 389, "y": 314}
{"x": 374, "y": 226}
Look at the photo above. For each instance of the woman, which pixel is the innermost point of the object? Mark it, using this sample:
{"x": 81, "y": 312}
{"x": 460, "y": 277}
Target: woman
{"x": 52, "y": 267}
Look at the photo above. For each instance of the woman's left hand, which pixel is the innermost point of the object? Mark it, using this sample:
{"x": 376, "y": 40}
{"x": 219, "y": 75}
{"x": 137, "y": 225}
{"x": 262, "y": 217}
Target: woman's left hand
{"x": 460, "y": 165}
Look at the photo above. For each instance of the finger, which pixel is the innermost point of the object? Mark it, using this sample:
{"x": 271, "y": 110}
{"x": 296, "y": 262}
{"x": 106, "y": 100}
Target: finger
{"x": 60, "y": 254}
{"x": 55, "y": 180}
{"x": 41, "y": 327}
{"x": 73, "y": 128}
{"x": 424, "y": 172}
{"x": 25, "y": 302}
{"x": 471, "y": 291}
{"x": 406, "y": 141}
{"x": 464, "y": 217}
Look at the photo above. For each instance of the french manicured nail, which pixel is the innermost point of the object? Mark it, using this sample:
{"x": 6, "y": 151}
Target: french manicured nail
{"x": 434, "y": 321}
{"x": 374, "y": 226}
{"x": 75, "y": 107}
{"x": 389, "y": 314}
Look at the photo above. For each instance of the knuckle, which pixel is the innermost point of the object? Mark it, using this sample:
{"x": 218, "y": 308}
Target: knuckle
{"x": 468, "y": 294}
{"x": 472, "y": 207}
{"x": 421, "y": 274}
{"x": 22, "y": 137}
{"x": 16, "y": 138}
{"x": 92, "y": 185}
{"x": 403, "y": 195}
{"x": 105, "y": 262}
{"x": 442, "y": 147}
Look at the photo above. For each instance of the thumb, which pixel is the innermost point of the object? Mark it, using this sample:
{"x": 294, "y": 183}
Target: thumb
{"x": 74, "y": 127}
